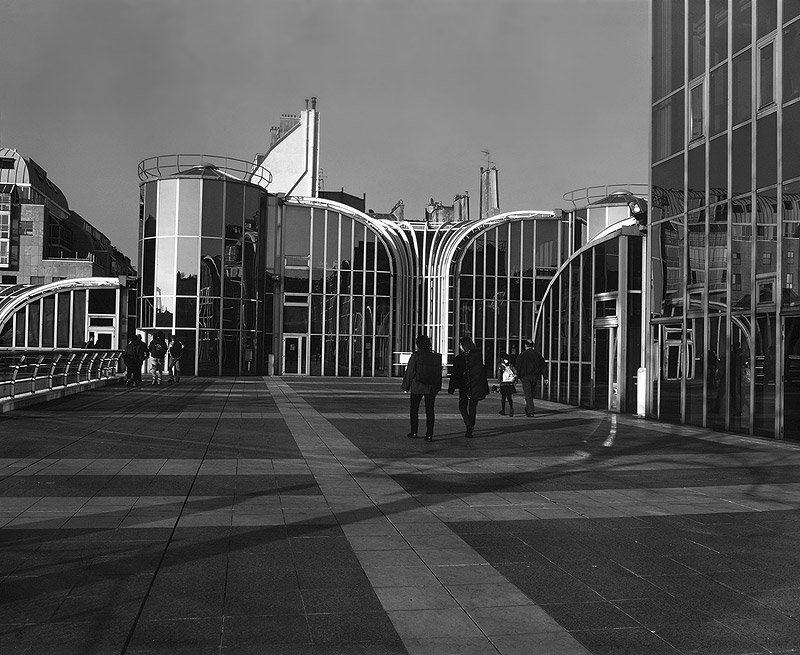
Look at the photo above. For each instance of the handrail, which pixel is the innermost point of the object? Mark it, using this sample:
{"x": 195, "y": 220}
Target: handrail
{"x": 35, "y": 371}
{"x": 161, "y": 166}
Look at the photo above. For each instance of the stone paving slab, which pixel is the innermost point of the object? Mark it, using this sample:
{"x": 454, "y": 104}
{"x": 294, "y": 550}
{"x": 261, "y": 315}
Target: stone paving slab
{"x": 291, "y": 515}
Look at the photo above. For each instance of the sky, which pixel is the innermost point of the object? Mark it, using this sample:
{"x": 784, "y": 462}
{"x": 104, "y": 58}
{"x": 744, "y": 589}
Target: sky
{"x": 409, "y": 92}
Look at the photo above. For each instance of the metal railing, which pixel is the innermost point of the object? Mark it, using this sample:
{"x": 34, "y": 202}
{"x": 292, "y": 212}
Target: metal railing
{"x": 40, "y": 370}
{"x": 161, "y": 166}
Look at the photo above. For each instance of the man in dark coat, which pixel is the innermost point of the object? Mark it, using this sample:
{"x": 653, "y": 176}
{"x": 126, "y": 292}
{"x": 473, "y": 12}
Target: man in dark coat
{"x": 530, "y": 367}
{"x": 469, "y": 377}
{"x": 423, "y": 379}
{"x": 135, "y": 354}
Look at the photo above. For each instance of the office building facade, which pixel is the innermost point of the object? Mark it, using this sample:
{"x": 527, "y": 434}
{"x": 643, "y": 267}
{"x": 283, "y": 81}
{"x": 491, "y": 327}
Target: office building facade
{"x": 723, "y": 341}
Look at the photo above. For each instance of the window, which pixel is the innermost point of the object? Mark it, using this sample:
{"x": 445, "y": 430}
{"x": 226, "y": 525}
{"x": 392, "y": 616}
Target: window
{"x": 8, "y": 279}
{"x": 736, "y": 258}
{"x": 5, "y": 226}
{"x": 790, "y": 256}
{"x": 789, "y": 281}
{"x": 766, "y": 75}
{"x": 4, "y": 253}
{"x": 37, "y": 279}
{"x": 766, "y": 258}
{"x": 696, "y": 129}
{"x": 736, "y": 282}
{"x": 26, "y": 228}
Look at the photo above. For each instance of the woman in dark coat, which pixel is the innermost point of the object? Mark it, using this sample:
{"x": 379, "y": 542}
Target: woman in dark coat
{"x": 423, "y": 379}
{"x": 469, "y": 377}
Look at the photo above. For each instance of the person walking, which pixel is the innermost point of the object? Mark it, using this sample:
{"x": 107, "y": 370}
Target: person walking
{"x": 157, "y": 349}
{"x": 530, "y": 367}
{"x": 507, "y": 377}
{"x": 423, "y": 378}
{"x": 174, "y": 353}
{"x": 135, "y": 354}
{"x": 468, "y": 376}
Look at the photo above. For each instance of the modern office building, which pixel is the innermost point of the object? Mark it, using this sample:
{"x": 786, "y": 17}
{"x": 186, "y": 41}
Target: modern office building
{"x": 723, "y": 342}
{"x": 61, "y": 279}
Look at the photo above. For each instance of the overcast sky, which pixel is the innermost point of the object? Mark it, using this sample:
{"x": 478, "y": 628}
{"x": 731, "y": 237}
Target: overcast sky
{"x": 409, "y": 93}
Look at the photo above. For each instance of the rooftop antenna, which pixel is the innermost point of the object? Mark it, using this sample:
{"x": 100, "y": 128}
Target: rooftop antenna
{"x": 489, "y": 162}
{"x": 321, "y": 180}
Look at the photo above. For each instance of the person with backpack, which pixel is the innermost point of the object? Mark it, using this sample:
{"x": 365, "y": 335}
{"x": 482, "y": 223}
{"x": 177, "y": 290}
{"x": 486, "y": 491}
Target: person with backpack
{"x": 423, "y": 378}
{"x": 530, "y": 367}
{"x": 174, "y": 352}
{"x": 135, "y": 354}
{"x": 157, "y": 349}
{"x": 507, "y": 376}
{"x": 469, "y": 377}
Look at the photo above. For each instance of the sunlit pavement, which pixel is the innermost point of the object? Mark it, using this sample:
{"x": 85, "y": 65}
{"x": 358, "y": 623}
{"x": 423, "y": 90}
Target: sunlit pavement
{"x": 293, "y": 516}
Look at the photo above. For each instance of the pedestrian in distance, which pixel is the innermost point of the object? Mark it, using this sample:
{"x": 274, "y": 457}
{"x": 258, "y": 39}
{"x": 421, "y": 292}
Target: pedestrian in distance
{"x": 135, "y": 354}
{"x": 174, "y": 353}
{"x": 468, "y": 376}
{"x": 423, "y": 379}
{"x": 157, "y": 349}
{"x": 507, "y": 377}
{"x": 531, "y": 367}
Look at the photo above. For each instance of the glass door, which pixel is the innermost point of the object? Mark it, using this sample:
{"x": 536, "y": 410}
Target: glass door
{"x": 606, "y": 395}
{"x": 294, "y": 355}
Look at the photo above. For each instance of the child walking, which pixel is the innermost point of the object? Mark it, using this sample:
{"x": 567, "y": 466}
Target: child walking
{"x": 507, "y": 376}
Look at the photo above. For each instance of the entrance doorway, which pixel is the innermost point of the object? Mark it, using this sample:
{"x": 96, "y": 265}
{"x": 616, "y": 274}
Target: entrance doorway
{"x": 295, "y": 348}
{"x": 606, "y": 383}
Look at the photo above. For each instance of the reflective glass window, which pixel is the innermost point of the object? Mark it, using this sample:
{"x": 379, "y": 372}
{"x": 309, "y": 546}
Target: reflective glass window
{"x": 741, "y": 149}
{"x": 668, "y": 127}
{"x": 188, "y": 266}
{"x": 546, "y": 244}
{"x": 167, "y": 207}
{"x": 668, "y": 55}
{"x": 186, "y": 312}
{"x": 165, "y": 266}
{"x": 150, "y": 198}
{"x": 48, "y": 321}
{"x": 742, "y": 20}
{"x": 767, "y": 21}
{"x": 718, "y": 31}
{"x": 78, "y": 319}
{"x": 297, "y": 231}
{"x": 212, "y": 208}
{"x": 668, "y": 197}
{"x": 63, "y": 322}
{"x": 34, "y": 313}
{"x": 791, "y": 9}
{"x": 718, "y": 166}
{"x": 791, "y": 55}
{"x": 742, "y": 87}
{"x": 189, "y": 207}
{"x": 766, "y": 75}
{"x": 697, "y": 174}
{"x": 697, "y": 247}
{"x": 767, "y": 151}
{"x": 718, "y": 100}
{"x": 790, "y": 134}
{"x": 697, "y": 39}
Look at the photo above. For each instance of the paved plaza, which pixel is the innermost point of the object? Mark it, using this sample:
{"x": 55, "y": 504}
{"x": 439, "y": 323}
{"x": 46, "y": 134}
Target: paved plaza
{"x": 292, "y": 516}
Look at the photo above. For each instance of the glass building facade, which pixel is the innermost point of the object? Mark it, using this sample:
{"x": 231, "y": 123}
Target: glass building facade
{"x": 724, "y": 239}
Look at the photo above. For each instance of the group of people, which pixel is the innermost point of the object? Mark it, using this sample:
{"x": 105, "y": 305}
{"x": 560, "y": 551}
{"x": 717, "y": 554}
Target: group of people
{"x": 423, "y": 380}
{"x": 137, "y": 353}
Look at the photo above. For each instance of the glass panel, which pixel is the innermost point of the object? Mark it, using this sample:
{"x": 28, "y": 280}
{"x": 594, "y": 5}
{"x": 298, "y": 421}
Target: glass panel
{"x": 741, "y": 254}
{"x": 165, "y": 266}
{"x": 316, "y": 355}
{"x": 718, "y": 101}
{"x": 48, "y": 321}
{"x": 741, "y": 91}
{"x": 165, "y": 312}
{"x": 766, "y": 75}
{"x": 718, "y": 31}
{"x": 697, "y": 39}
{"x": 695, "y": 370}
{"x": 741, "y": 149}
{"x": 742, "y": 19}
{"x": 212, "y": 208}
{"x": 697, "y": 176}
{"x": 767, "y": 11}
{"x": 671, "y": 364}
{"x": 150, "y": 197}
{"x": 19, "y": 329}
{"x": 34, "y": 309}
{"x": 102, "y": 301}
{"x": 606, "y": 270}
{"x": 718, "y": 168}
{"x": 791, "y": 55}
{"x": 668, "y": 57}
{"x": 148, "y": 271}
{"x": 188, "y": 266}
{"x": 668, "y": 240}
{"x": 716, "y": 373}
{"x": 295, "y": 319}
{"x": 167, "y": 207}
{"x": 791, "y": 9}
{"x": 790, "y": 134}
{"x": 230, "y": 353}
{"x": 189, "y": 207}
{"x": 740, "y": 379}
{"x": 188, "y": 339}
{"x": 718, "y": 259}
{"x": 78, "y": 319}
{"x": 764, "y": 372}
{"x": 297, "y": 231}
{"x": 791, "y": 245}
{"x": 668, "y": 127}
{"x": 668, "y": 197}
{"x": 697, "y": 248}
{"x": 767, "y": 151}
{"x": 63, "y": 323}
{"x": 186, "y": 312}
